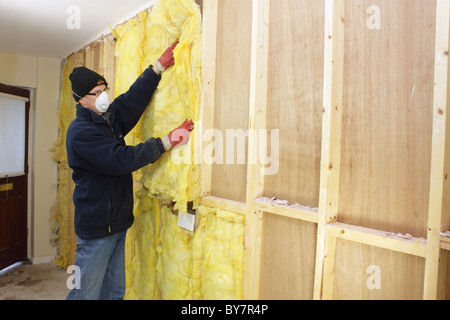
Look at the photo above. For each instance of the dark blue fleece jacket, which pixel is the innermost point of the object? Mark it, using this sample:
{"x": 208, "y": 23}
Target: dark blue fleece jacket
{"x": 102, "y": 163}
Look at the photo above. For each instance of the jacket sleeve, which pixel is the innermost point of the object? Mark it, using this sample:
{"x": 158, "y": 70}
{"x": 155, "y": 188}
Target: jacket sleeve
{"x": 130, "y": 106}
{"x": 106, "y": 156}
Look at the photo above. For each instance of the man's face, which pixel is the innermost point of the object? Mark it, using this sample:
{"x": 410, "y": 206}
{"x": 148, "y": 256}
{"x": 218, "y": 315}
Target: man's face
{"x": 88, "y": 101}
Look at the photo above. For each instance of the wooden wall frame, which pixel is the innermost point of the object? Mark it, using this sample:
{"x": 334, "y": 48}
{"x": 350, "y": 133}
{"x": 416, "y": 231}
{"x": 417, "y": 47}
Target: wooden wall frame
{"x": 330, "y": 230}
{"x": 439, "y": 172}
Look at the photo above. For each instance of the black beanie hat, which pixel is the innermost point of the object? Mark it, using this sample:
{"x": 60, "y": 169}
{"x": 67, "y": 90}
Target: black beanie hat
{"x": 84, "y": 80}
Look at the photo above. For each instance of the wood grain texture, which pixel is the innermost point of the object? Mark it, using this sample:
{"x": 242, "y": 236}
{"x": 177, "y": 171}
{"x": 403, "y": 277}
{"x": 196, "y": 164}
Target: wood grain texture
{"x": 232, "y": 92}
{"x": 387, "y": 116}
{"x": 295, "y": 95}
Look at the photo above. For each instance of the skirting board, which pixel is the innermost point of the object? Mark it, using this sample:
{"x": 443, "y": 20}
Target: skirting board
{"x": 41, "y": 260}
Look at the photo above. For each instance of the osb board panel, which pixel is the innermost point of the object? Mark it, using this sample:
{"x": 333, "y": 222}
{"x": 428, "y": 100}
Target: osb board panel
{"x": 387, "y": 116}
{"x": 229, "y": 180}
{"x": 288, "y": 252}
{"x": 366, "y": 272}
{"x": 295, "y": 98}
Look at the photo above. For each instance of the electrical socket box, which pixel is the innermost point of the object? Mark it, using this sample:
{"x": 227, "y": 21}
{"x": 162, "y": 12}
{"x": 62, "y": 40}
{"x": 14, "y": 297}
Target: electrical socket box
{"x": 186, "y": 220}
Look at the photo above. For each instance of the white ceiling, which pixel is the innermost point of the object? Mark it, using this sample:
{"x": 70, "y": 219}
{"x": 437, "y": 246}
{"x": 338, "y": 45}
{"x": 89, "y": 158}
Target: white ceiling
{"x": 40, "y": 28}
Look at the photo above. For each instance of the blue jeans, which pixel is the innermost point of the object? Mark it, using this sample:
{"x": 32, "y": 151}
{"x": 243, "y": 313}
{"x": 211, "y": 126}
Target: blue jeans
{"x": 101, "y": 263}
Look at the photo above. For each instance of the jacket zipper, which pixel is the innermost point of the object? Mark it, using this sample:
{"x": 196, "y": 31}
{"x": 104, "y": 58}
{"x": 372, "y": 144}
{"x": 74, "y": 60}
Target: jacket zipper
{"x": 110, "y": 209}
{"x": 109, "y": 125}
{"x": 114, "y": 135}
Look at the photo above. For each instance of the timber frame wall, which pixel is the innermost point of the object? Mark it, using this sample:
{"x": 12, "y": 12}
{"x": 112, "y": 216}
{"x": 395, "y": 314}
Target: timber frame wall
{"x": 362, "y": 117}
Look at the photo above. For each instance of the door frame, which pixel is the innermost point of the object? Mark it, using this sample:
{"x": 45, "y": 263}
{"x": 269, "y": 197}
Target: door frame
{"x": 23, "y": 93}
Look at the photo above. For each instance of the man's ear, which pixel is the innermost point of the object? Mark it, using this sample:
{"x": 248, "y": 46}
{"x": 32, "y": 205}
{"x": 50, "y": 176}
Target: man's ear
{"x": 82, "y": 102}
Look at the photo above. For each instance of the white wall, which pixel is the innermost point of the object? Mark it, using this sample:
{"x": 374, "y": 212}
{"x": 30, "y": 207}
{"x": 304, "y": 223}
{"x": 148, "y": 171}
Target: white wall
{"x": 43, "y": 76}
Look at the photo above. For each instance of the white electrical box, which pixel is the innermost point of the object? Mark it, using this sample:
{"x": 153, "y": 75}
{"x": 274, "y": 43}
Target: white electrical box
{"x": 186, "y": 221}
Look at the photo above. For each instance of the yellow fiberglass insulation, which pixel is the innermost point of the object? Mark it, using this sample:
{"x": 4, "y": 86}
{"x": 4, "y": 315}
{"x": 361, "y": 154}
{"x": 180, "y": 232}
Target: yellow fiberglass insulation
{"x": 140, "y": 42}
{"x": 176, "y": 99}
{"x": 218, "y": 254}
{"x": 205, "y": 264}
{"x": 174, "y": 267}
{"x": 60, "y": 211}
{"x": 141, "y": 255}
{"x": 128, "y": 66}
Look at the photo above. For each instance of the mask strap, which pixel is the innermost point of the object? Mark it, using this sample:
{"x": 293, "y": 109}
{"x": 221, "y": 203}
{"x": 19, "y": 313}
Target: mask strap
{"x": 77, "y": 95}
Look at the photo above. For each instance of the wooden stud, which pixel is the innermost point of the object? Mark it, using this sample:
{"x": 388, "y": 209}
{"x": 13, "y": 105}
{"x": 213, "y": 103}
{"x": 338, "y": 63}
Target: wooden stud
{"x": 107, "y": 64}
{"x": 209, "y": 51}
{"x": 90, "y": 57}
{"x": 438, "y": 149}
{"x": 377, "y": 238}
{"x": 442, "y": 276}
{"x": 299, "y": 214}
{"x": 332, "y": 129}
{"x": 329, "y": 266}
{"x": 257, "y": 120}
{"x": 252, "y": 255}
{"x": 445, "y": 243}
{"x": 258, "y": 96}
{"x": 224, "y": 204}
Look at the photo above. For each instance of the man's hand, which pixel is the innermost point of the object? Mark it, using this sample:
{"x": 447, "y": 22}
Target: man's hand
{"x": 166, "y": 60}
{"x": 179, "y": 136}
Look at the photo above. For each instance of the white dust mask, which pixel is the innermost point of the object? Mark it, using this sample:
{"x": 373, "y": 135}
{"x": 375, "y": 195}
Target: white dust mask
{"x": 102, "y": 102}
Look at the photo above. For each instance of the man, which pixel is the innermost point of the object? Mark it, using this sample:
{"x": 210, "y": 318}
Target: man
{"x": 102, "y": 171}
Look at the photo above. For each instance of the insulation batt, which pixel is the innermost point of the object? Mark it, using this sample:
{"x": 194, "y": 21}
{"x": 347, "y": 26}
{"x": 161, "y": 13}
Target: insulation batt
{"x": 177, "y": 97}
{"x": 174, "y": 267}
{"x": 218, "y": 255}
{"x": 159, "y": 255}
{"x": 206, "y": 264}
{"x": 60, "y": 224}
{"x": 141, "y": 254}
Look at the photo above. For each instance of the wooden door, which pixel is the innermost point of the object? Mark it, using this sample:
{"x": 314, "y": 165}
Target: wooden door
{"x": 15, "y": 108}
